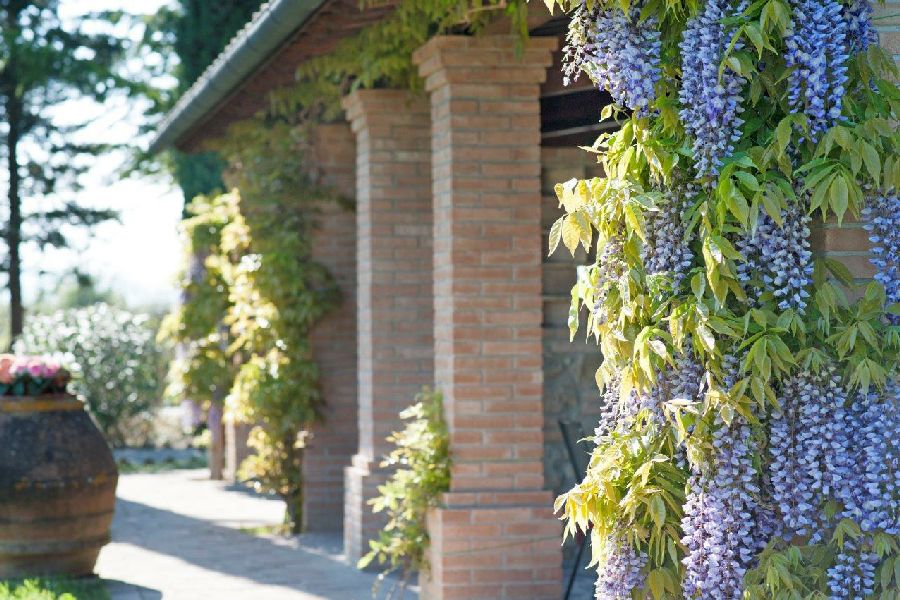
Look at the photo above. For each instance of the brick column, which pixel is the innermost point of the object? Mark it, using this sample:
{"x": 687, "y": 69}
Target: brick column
{"x": 394, "y": 230}
{"x": 494, "y": 534}
{"x": 332, "y": 443}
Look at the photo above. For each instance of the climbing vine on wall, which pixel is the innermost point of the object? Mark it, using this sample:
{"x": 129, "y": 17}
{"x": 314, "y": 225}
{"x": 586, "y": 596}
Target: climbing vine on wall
{"x": 278, "y": 293}
{"x": 752, "y": 402}
{"x": 381, "y": 53}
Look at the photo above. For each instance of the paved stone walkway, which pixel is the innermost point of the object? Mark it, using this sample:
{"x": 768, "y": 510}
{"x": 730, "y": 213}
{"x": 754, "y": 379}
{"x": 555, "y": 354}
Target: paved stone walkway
{"x": 177, "y": 536}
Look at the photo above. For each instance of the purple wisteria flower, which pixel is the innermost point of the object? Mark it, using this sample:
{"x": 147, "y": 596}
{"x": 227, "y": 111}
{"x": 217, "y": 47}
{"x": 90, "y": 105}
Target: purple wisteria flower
{"x": 865, "y": 473}
{"x": 610, "y": 267}
{"x": 667, "y": 250}
{"x": 800, "y": 438}
{"x": 817, "y": 52}
{"x": 860, "y": 32}
{"x": 711, "y": 104}
{"x": 779, "y": 257}
{"x": 620, "y": 571}
{"x": 618, "y": 51}
{"x": 720, "y": 532}
{"x": 852, "y": 577}
{"x": 882, "y": 217}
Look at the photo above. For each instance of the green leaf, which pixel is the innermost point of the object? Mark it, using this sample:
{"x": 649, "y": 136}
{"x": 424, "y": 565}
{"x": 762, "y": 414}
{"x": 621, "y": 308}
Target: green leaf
{"x": 657, "y": 584}
{"x": 872, "y": 160}
{"x": 707, "y": 339}
{"x": 738, "y": 206}
{"x": 839, "y": 197}
{"x": 571, "y": 233}
{"x": 658, "y": 511}
{"x": 555, "y": 234}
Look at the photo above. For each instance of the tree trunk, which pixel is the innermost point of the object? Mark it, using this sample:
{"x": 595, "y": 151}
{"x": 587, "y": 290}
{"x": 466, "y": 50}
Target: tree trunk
{"x": 216, "y": 452}
{"x": 293, "y": 474}
{"x": 14, "y": 232}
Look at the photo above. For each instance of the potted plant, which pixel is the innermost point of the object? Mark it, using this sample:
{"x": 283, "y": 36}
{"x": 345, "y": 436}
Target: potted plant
{"x": 57, "y": 474}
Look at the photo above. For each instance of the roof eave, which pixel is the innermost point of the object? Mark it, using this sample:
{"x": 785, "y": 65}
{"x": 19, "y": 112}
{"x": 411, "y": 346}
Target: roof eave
{"x": 274, "y": 24}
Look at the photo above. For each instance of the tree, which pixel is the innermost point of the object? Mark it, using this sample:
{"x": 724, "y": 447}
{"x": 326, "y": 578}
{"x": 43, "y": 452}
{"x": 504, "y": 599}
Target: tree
{"x": 195, "y": 32}
{"x": 44, "y": 63}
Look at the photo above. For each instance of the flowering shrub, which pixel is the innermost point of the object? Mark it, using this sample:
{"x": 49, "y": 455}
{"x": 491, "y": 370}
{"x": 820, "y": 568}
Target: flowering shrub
{"x": 31, "y": 376}
{"x": 747, "y": 449}
{"x": 202, "y": 370}
{"x": 421, "y": 461}
{"x": 115, "y": 365}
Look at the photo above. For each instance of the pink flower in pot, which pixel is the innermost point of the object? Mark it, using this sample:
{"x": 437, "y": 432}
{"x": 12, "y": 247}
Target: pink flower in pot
{"x": 6, "y": 363}
{"x": 51, "y": 368}
{"x": 20, "y": 366}
{"x": 35, "y": 366}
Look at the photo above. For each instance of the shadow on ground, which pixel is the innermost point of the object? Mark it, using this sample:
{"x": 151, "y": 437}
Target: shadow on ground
{"x": 311, "y": 563}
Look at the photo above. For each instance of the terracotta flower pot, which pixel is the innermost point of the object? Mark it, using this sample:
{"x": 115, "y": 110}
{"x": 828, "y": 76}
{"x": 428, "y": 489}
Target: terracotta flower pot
{"x": 57, "y": 487}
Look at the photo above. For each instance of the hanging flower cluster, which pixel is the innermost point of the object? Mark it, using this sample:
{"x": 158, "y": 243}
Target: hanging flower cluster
{"x": 803, "y": 464}
{"x": 747, "y": 448}
{"x": 882, "y": 217}
{"x": 668, "y": 248}
{"x": 720, "y": 535}
{"x": 860, "y": 32}
{"x": 779, "y": 255}
{"x": 711, "y": 100}
{"x": 817, "y": 52}
{"x": 618, "y": 51}
{"x": 623, "y": 572}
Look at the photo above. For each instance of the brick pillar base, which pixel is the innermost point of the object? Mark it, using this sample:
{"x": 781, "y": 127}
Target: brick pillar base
{"x": 494, "y": 536}
{"x": 361, "y": 481}
{"x": 236, "y": 449}
{"x": 393, "y": 224}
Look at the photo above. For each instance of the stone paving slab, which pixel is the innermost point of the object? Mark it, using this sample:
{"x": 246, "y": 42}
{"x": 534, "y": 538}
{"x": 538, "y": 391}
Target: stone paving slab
{"x": 177, "y": 536}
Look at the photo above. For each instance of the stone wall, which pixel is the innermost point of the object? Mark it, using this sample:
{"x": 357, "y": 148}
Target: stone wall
{"x": 570, "y": 392}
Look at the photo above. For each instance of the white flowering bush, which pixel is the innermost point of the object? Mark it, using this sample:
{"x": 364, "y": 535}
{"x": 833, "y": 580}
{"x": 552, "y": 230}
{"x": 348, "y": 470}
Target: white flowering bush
{"x": 114, "y": 360}
{"x": 748, "y": 446}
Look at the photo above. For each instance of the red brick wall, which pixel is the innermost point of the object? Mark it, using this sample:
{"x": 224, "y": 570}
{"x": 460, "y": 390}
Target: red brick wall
{"x": 494, "y": 535}
{"x": 396, "y": 347}
{"x": 334, "y": 341}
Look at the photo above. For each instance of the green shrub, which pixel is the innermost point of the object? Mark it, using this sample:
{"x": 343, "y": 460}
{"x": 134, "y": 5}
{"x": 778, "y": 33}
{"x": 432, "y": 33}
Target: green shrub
{"x": 115, "y": 365}
{"x": 53, "y": 589}
{"x": 422, "y": 462}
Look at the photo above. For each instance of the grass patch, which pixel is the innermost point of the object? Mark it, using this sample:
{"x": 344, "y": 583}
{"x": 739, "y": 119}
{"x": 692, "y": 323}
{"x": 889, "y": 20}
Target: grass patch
{"x": 127, "y": 468}
{"x": 54, "y": 589}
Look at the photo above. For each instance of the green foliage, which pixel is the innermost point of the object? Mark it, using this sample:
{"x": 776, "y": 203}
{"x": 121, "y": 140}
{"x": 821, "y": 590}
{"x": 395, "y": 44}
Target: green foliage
{"x": 641, "y": 321}
{"x": 115, "y": 364}
{"x": 203, "y": 369}
{"x": 421, "y": 461}
{"x": 53, "y": 589}
{"x": 632, "y": 479}
{"x": 44, "y": 62}
{"x": 277, "y": 294}
{"x": 381, "y": 54}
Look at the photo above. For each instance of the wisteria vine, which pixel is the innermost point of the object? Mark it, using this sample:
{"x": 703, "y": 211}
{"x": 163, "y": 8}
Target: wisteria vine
{"x": 748, "y": 444}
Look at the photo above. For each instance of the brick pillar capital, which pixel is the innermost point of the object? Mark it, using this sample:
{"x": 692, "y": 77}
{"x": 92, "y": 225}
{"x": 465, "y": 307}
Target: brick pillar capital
{"x": 384, "y": 105}
{"x": 450, "y": 59}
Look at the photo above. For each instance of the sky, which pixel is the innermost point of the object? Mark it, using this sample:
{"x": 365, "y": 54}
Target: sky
{"x": 138, "y": 257}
